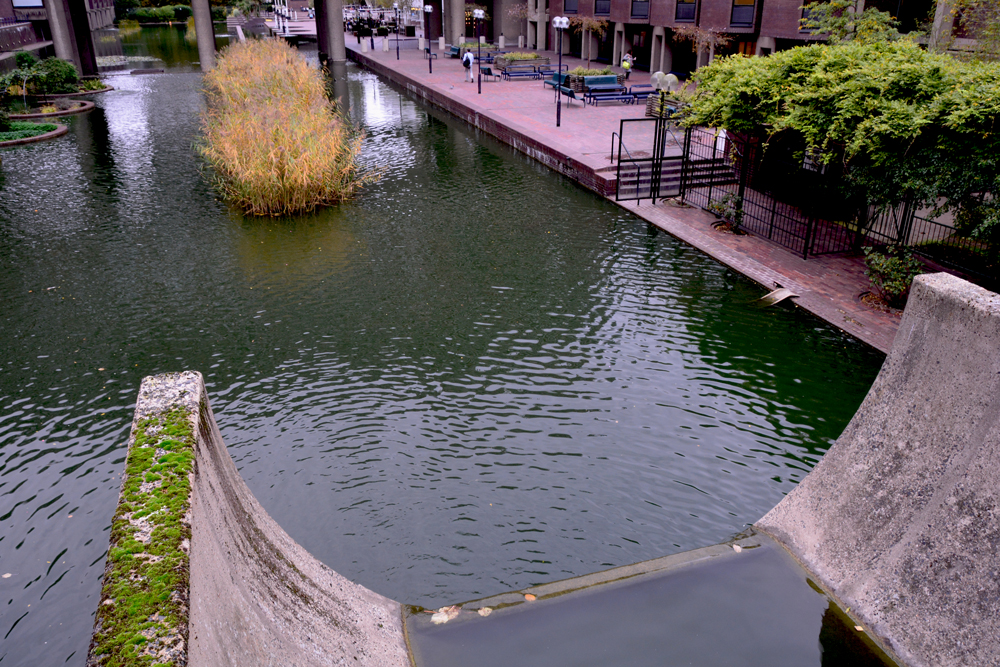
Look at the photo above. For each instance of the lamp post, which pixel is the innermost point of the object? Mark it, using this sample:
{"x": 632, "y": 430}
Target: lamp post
{"x": 560, "y": 23}
{"x": 479, "y": 15}
{"x": 395, "y": 8}
{"x": 427, "y": 36}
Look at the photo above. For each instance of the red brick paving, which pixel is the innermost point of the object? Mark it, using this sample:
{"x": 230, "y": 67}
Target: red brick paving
{"x": 522, "y": 114}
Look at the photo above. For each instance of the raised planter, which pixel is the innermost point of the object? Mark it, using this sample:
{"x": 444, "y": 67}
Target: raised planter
{"x": 80, "y": 107}
{"x": 58, "y": 132}
{"x": 502, "y": 61}
{"x": 84, "y": 92}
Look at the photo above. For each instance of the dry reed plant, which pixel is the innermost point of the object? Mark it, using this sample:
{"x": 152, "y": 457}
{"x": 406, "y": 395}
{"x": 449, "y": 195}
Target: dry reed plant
{"x": 275, "y": 141}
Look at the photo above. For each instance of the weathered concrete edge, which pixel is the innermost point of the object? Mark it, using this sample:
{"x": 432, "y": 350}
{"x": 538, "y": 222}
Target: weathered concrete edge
{"x": 900, "y": 521}
{"x": 255, "y": 596}
{"x": 593, "y": 181}
{"x": 58, "y": 132}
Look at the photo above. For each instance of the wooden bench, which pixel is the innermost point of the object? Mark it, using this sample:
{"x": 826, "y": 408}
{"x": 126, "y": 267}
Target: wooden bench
{"x": 488, "y": 72}
{"x": 521, "y": 72}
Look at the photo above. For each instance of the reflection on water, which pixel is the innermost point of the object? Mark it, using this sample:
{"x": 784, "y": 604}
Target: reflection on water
{"x": 476, "y": 376}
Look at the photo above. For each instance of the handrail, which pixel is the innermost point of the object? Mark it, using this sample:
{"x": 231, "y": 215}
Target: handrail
{"x": 621, "y": 145}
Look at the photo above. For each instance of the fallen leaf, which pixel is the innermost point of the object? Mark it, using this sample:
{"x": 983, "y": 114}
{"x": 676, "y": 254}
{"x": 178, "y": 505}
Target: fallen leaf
{"x": 485, "y": 611}
{"x": 7, "y": 576}
{"x": 529, "y": 597}
{"x": 737, "y": 548}
{"x": 859, "y": 628}
{"x": 70, "y": 516}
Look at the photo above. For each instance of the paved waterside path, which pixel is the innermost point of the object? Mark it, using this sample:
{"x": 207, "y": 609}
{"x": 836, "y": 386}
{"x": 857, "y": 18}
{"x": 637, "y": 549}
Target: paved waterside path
{"x": 522, "y": 114}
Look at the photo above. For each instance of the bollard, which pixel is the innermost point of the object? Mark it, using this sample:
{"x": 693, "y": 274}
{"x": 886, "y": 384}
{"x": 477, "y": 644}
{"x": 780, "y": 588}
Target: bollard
{"x": 364, "y": 46}
{"x": 385, "y": 45}
{"x": 482, "y": 39}
{"x": 520, "y": 41}
{"x": 503, "y": 43}
{"x": 441, "y": 45}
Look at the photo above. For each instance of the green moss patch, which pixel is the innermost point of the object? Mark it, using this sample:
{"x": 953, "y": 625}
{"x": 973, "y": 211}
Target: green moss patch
{"x": 143, "y": 615}
{"x": 22, "y": 130}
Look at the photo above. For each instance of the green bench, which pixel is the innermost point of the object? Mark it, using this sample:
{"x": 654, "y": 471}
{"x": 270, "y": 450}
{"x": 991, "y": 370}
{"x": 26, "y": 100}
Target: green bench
{"x": 454, "y": 52}
{"x": 600, "y": 80}
{"x": 568, "y": 92}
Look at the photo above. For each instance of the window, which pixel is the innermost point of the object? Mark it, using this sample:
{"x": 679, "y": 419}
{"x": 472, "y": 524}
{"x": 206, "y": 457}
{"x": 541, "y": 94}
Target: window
{"x": 806, "y": 17}
{"x": 640, "y": 9}
{"x": 743, "y": 12}
{"x": 570, "y": 6}
{"x": 685, "y": 11}
{"x": 602, "y": 7}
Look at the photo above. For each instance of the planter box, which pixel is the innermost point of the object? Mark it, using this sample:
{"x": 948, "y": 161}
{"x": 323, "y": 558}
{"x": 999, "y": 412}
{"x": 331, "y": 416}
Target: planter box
{"x": 576, "y": 82}
{"x": 502, "y": 62}
{"x": 660, "y": 105}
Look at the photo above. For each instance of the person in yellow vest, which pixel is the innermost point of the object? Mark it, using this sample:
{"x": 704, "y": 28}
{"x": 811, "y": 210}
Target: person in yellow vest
{"x": 627, "y": 61}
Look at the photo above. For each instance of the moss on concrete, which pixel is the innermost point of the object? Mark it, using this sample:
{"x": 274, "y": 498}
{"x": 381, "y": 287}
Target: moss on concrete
{"x": 143, "y": 615}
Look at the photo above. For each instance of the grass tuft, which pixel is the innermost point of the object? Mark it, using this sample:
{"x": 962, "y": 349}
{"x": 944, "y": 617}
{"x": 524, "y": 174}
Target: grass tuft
{"x": 275, "y": 141}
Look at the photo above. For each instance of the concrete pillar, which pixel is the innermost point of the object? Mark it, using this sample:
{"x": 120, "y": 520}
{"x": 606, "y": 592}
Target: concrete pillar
{"x": 205, "y": 32}
{"x": 441, "y": 44}
{"x": 656, "y": 54}
{"x": 763, "y": 43}
{"x": 63, "y": 39}
{"x": 80, "y": 25}
{"x": 618, "y": 50}
{"x": 334, "y": 26}
{"x": 944, "y": 19}
{"x": 456, "y": 12}
{"x": 322, "y": 43}
{"x": 666, "y": 58}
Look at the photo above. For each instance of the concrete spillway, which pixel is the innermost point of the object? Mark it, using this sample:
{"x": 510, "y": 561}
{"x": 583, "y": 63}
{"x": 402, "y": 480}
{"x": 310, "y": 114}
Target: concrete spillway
{"x": 900, "y": 519}
{"x": 899, "y": 522}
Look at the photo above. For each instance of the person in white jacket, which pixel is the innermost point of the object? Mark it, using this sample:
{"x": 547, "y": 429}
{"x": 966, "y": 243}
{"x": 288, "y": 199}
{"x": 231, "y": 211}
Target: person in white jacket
{"x": 467, "y": 61}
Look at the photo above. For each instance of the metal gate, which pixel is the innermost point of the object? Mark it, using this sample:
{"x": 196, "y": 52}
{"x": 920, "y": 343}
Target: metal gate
{"x": 650, "y": 159}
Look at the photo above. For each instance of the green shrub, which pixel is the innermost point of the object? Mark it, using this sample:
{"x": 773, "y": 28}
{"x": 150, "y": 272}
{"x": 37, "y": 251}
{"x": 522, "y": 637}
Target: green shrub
{"x": 583, "y": 71}
{"x": 25, "y": 60}
{"x": 4, "y": 120}
{"x": 154, "y": 14}
{"x": 892, "y": 272}
{"x": 18, "y": 130}
{"x": 92, "y": 84}
{"x": 218, "y": 13}
{"x": 521, "y": 56}
{"x": 58, "y": 76}
{"x": 181, "y": 12}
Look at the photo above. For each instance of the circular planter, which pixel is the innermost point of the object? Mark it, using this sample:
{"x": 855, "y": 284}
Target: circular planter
{"x": 84, "y": 92}
{"x": 82, "y": 105}
{"x": 58, "y": 132}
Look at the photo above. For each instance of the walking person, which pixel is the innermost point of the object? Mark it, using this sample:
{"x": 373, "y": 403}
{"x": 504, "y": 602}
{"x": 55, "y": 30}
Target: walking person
{"x": 627, "y": 61}
{"x": 467, "y": 61}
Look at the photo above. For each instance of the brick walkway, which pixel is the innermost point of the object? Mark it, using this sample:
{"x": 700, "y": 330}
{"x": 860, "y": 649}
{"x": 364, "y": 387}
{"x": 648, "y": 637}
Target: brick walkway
{"x": 522, "y": 114}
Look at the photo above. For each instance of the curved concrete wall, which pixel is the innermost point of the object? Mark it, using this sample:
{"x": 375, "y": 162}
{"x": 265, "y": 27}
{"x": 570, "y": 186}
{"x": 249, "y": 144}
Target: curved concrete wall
{"x": 900, "y": 520}
{"x": 256, "y": 597}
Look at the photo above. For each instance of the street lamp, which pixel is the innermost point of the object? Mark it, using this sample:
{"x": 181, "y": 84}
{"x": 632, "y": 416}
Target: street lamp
{"x": 560, "y": 23}
{"x": 479, "y": 14}
{"x": 395, "y": 8}
{"x": 427, "y": 35}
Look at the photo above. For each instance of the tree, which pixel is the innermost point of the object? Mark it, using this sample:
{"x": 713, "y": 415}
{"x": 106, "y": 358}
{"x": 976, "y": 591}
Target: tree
{"x": 520, "y": 12}
{"x": 587, "y": 25}
{"x": 702, "y": 39}
{"x": 898, "y": 122}
{"x": 841, "y": 22}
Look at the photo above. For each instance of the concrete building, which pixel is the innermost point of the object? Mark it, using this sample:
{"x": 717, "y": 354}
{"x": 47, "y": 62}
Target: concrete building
{"x": 64, "y": 28}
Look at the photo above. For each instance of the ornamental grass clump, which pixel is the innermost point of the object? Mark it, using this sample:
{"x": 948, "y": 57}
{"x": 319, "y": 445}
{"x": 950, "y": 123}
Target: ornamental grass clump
{"x": 273, "y": 138}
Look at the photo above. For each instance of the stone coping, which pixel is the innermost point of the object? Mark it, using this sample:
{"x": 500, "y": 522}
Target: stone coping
{"x": 58, "y": 132}
{"x": 199, "y": 574}
{"x": 85, "y": 105}
{"x": 83, "y": 93}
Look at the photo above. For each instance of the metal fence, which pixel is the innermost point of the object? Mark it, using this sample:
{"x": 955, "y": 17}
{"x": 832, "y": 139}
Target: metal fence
{"x": 16, "y": 36}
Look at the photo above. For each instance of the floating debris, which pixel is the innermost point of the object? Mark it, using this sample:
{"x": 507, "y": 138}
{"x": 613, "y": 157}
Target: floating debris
{"x": 529, "y": 597}
{"x": 737, "y": 548}
{"x": 445, "y": 614}
{"x": 485, "y": 611}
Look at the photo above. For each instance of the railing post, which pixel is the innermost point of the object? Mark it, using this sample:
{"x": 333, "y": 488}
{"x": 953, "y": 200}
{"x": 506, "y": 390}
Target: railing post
{"x": 809, "y": 235}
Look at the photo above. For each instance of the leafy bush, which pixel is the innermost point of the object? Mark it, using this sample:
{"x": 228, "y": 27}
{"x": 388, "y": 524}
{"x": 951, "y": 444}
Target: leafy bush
{"x": 57, "y": 76}
{"x": 274, "y": 140}
{"x": 182, "y": 12}
{"x": 583, "y": 71}
{"x": 521, "y": 56}
{"x": 92, "y": 84}
{"x": 4, "y": 120}
{"x": 475, "y": 45}
{"x": 25, "y": 60}
{"x": 154, "y": 14}
{"x": 18, "y": 130}
{"x": 218, "y": 13}
{"x": 892, "y": 272}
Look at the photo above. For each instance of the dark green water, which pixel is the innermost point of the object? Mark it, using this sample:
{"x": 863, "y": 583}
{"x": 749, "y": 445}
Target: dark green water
{"x": 476, "y": 377}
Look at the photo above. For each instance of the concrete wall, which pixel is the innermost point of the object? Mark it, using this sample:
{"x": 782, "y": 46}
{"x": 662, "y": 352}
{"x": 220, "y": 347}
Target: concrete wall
{"x": 901, "y": 518}
{"x": 256, "y": 597}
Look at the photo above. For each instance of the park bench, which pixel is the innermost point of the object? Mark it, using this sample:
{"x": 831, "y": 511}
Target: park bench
{"x": 521, "y": 72}
{"x": 488, "y": 72}
{"x": 556, "y": 80}
{"x": 608, "y": 92}
{"x": 454, "y": 52}
{"x": 600, "y": 80}
{"x": 568, "y": 92}
{"x": 641, "y": 91}
{"x": 549, "y": 70}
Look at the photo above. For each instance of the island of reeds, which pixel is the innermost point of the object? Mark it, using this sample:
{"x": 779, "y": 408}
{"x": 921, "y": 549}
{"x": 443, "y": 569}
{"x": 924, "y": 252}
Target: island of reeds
{"x": 274, "y": 140}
